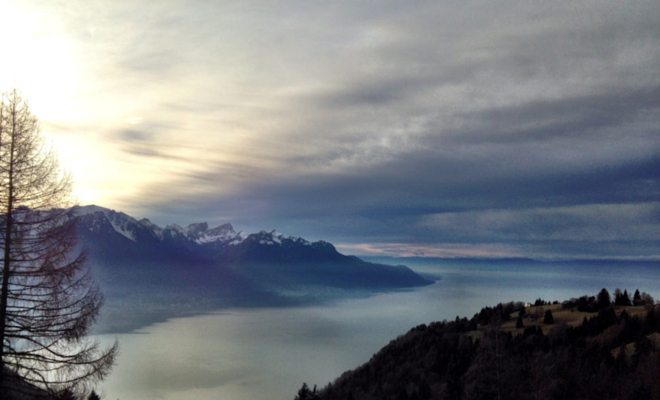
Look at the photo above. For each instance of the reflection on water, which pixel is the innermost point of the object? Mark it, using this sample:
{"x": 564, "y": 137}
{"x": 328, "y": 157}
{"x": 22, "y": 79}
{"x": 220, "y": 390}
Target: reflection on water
{"x": 267, "y": 353}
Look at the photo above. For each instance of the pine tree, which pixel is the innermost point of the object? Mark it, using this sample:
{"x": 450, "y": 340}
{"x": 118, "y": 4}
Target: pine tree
{"x": 603, "y": 299}
{"x": 519, "y": 322}
{"x": 548, "y": 319}
{"x": 625, "y": 299}
{"x": 306, "y": 394}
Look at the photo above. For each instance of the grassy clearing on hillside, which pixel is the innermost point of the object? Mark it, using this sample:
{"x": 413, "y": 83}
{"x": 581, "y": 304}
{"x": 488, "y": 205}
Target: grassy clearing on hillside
{"x": 562, "y": 317}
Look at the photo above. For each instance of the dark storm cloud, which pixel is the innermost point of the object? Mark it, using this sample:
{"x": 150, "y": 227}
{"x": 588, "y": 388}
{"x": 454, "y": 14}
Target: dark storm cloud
{"x": 530, "y": 197}
{"x": 460, "y": 201}
{"x": 556, "y": 223}
{"x": 464, "y": 182}
{"x": 572, "y": 116}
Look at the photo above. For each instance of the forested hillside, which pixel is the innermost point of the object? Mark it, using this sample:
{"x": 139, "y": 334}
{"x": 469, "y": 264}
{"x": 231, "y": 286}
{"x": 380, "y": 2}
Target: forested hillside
{"x": 586, "y": 348}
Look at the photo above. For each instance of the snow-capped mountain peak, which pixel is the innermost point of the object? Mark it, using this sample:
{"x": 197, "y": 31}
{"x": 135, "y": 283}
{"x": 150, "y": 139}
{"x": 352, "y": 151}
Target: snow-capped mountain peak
{"x": 222, "y": 233}
{"x": 196, "y": 230}
{"x": 277, "y": 238}
{"x": 85, "y": 210}
{"x": 155, "y": 229}
{"x": 123, "y": 224}
{"x": 199, "y": 233}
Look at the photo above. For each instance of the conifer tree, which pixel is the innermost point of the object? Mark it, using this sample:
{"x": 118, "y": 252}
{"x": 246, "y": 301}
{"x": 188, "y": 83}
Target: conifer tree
{"x": 625, "y": 299}
{"x": 603, "y": 299}
{"x": 306, "y": 394}
{"x": 48, "y": 300}
{"x": 548, "y": 319}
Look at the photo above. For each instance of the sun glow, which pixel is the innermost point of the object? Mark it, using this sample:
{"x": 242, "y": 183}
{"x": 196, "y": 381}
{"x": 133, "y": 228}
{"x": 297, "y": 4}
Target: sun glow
{"x": 38, "y": 60}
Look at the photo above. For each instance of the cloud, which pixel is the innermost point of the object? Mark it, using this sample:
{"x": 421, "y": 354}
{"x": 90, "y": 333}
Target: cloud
{"x": 631, "y": 222}
{"x": 402, "y": 123}
{"x": 132, "y": 135}
{"x": 451, "y": 250}
{"x": 586, "y": 115}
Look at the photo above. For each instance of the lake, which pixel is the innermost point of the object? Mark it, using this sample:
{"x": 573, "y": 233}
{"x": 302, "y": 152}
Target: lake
{"x": 267, "y": 353}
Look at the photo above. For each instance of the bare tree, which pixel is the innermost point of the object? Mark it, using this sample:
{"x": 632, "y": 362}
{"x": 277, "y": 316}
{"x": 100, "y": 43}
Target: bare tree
{"x": 48, "y": 300}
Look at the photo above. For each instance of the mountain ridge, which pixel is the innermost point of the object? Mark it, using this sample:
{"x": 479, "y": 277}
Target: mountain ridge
{"x": 147, "y": 270}
{"x": 197, "y": 232}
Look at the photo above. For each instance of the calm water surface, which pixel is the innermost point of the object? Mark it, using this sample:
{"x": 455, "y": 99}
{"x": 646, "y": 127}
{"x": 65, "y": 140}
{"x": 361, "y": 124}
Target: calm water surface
{"x": 242, "y": 354}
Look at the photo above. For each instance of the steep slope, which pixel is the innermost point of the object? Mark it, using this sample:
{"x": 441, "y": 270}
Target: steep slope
{"x": 128, "y": 253}
{"x": 149, "y": 274}
{"x": 454, "y": 360}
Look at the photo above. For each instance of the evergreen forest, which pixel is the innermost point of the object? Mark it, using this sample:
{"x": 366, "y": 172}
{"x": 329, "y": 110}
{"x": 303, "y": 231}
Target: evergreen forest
{"x": 593, "y": 347}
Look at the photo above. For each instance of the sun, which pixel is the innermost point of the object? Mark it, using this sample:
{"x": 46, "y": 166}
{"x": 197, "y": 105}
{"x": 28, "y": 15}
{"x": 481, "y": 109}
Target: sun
{"x": 38, "y": 60}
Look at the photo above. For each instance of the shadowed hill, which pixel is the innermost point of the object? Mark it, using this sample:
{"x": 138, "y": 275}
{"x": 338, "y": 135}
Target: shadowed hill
{"x": 610, "y": 353}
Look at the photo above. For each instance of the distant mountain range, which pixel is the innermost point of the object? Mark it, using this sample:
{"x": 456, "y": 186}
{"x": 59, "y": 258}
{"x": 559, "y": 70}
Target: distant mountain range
{"x": 140, "y": 264}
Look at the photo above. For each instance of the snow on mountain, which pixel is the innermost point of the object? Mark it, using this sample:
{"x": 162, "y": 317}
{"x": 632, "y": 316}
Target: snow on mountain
{"x": 122, "y": 223}
{"x": 199, "y": 233}
{"x": 219, "y": 260}
{"x": 223, "y": 233}
{"x": 278, "y": 237}
{"x": 157, "y": 230}
{"x": 240, "y": 237}
{"x": 196, "y": 230}
{"x": 274, "y": 237}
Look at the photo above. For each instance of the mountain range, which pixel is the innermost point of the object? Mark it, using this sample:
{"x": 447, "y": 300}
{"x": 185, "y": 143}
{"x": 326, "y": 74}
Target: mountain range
{"x": 147, "y": 271}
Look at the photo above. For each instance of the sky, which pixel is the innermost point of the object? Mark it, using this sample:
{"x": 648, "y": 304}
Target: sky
{"x": 448, "y": 128}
